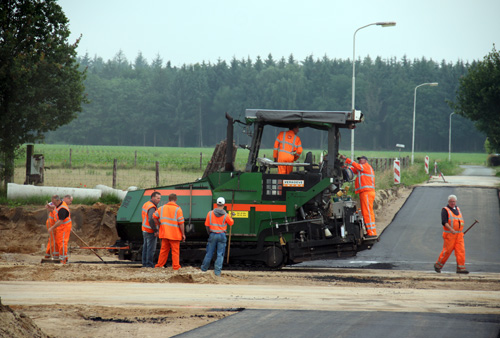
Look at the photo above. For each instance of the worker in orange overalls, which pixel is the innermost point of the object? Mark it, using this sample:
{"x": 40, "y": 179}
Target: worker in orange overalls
{"x": 216, "y": 224}
{"x": 52, "y": 250}
{"x": 287, "y": 148}
{"x": 365, "y": 186}
{"x": 453, "y": 236}
{"x": 170, "y": 220}
{"x": 63, "y": 225}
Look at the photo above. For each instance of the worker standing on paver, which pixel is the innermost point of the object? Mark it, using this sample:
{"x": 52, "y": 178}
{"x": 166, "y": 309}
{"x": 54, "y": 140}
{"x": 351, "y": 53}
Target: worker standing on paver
{"x": 287, "y": 148}
{"x": 170, "y": 220}
{"x": 453, "y": 236}
{"x": 149, "y": 230}
{"x": 364, "y": 185}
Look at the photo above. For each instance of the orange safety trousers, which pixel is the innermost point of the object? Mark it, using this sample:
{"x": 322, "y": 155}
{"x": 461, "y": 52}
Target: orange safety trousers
{"x": 285, "y": 169}
{"x": 62, "y": 238}
{"x": 52, "y": 245}
{"x": 366, "y": 199}
{"x": 452, "y": 242}
{"x": 166, "y": 246}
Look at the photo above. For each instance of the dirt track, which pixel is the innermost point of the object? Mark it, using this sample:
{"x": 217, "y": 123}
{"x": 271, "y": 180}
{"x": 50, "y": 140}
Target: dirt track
{"x": 113, "y": 299}
{"x": 100, "y": 300}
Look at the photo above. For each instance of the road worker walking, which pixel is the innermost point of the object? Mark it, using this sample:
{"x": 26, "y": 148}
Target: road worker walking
{"x": 287, "y": 148}
{"x": 453, "y": 236}
{"x": 364, "y": 185}
{"x": 170, "y": 220}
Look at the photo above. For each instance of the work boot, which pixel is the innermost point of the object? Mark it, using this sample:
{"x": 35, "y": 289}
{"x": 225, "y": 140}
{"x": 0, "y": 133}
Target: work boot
{"x": 464, "y": 271}
{"x": 437, "y": 268}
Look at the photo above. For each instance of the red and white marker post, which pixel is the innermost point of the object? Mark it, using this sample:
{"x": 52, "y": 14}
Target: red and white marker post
{"x": 397, "y": 172}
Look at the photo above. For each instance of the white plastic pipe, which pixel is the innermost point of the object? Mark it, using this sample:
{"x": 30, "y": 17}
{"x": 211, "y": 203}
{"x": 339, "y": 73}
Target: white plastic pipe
{"x": 15, "y": 191}
{"x": 110, "y": 191}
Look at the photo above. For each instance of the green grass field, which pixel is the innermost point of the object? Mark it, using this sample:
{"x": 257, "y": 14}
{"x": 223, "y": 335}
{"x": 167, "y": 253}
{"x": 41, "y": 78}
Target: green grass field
{"x": 58, "y": 156}
{"x": 92, "y": 165}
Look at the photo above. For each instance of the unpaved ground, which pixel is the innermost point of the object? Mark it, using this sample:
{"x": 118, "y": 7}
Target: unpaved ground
{"x": 201, "y": 297}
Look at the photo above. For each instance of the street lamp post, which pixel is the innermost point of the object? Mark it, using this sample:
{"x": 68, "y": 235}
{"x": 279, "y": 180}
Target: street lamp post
{"x": 353, "y": 108}
{"x": 414, "y": 108}
{"x": 449, "y": 142}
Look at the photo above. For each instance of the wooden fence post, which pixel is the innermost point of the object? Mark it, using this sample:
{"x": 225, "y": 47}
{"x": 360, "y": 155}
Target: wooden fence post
{"x": 201, "y": 158}
{"x": 70, "y": 151}
{"x": 115, "y": 164}
{"x": 157, "y": 173}
{"x": 135, "y": 159}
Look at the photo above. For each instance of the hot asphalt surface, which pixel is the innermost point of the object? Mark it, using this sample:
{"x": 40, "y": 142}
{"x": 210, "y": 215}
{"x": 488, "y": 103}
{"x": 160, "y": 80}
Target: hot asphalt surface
{"x": 412, "y": 241}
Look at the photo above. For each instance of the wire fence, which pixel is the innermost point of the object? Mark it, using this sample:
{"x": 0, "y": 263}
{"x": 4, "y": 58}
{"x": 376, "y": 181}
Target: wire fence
{"x": 114, "y": 175}
{"x": 120, "y": 178}
{"x": 382, "y": 164}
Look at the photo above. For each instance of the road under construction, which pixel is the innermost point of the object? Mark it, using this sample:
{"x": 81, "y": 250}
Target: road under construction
{"x": 395, "y": 293}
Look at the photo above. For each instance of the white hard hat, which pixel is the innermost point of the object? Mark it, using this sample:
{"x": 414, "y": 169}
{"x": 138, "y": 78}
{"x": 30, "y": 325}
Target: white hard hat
{"x": 221, "y": 201}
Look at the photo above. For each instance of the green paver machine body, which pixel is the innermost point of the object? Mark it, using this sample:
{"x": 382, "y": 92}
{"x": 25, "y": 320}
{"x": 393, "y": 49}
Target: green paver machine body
{"x": 279, "y": 218}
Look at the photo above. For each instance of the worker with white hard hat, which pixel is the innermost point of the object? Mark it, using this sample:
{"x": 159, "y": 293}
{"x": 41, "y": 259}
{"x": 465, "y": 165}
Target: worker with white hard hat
{"x": 216, "y": 223}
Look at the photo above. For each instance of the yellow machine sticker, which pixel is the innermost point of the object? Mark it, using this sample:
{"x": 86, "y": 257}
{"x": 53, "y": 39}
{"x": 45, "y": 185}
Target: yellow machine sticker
{"x": 240, "y": 214}
{"x": 293, "y": 183}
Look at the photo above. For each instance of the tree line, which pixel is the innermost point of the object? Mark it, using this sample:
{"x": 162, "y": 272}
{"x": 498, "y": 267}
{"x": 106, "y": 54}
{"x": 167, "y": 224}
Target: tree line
{"x": 153, "y": 103}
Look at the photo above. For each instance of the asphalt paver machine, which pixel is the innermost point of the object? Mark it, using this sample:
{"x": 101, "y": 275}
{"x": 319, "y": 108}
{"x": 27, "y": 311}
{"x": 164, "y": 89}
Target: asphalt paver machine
{"x": 280, "y": 219}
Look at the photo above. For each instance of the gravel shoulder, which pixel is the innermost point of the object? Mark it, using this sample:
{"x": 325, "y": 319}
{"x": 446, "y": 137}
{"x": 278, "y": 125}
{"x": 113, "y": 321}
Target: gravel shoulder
{"x": 89, "y": 298}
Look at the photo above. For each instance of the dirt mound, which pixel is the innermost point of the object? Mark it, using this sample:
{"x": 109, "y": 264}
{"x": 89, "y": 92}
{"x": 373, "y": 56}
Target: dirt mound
{"x": 17, "y": 325}
{"x": 23, "y": 229}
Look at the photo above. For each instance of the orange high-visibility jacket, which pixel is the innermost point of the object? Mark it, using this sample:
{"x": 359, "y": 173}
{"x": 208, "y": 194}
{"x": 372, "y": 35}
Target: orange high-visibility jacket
{"x": 145, "y": 219}
{"x": 365, "y": 179}
{"x": 67, "y": 221}
{"x": 170, "y": 217}
{"x": 51, "y": 218}
{"x": 218, "y": 224}
{"x": 455, "y": 221}
{"x": 287, "y": 147}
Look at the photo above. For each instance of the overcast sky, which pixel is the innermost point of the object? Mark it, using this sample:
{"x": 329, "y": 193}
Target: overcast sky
{"x": 192, "y": 31}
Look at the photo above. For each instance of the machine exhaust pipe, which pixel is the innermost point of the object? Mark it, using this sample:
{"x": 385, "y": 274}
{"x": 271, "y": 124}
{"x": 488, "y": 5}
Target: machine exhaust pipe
{"x": 229, "y": 165}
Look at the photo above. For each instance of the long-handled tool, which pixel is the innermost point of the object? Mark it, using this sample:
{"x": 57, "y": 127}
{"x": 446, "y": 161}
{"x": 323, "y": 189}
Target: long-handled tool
{"x": 230, "y": 227}
{"x": 52, "y": 245}
{"x": 475, "y": 221}
{"x": 95, "y": 253}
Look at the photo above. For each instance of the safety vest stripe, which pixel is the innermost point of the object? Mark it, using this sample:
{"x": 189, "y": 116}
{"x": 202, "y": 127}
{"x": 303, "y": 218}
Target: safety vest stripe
{"x": 173, "y": 222}
{"x": 365, "y": 186}
{"x": 217, "y": 228}
{"x": 145, "y": 219}
{"x": 451, "y": 221}
{"x": 358, "y": 180}
{"x": 283, "y": 142}
{"x": 284, "y": 151}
